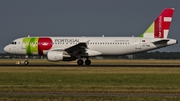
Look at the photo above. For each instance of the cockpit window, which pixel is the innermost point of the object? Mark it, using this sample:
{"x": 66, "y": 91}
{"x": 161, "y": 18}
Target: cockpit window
{"x": 14, "y": 43}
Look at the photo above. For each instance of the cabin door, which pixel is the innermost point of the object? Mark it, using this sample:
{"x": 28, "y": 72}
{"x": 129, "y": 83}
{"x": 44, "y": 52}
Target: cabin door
{"x": 138, "y": 44}
{"x": 23, "y": 45}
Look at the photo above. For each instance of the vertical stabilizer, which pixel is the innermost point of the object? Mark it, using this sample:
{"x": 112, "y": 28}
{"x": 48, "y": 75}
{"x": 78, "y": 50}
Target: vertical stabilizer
{"x": 160, "y": 27}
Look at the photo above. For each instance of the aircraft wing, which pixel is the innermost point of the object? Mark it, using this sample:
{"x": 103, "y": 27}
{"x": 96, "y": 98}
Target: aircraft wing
{"x": 78, "y": 47}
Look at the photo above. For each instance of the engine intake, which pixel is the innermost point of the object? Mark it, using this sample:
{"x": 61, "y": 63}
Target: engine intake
{"x": 56, "y": 55}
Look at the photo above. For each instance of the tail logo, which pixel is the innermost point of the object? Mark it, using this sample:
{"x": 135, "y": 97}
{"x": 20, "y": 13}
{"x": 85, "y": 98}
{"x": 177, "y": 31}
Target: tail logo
{"x": 162, "y": 23}
{"x": 160, "y": 27}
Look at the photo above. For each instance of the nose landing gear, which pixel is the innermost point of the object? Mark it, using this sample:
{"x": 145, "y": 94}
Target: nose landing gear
{"x": 26, "y": 62}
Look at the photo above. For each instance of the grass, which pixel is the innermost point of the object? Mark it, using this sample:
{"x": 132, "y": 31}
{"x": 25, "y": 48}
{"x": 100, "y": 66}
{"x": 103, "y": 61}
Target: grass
{"x": 137, "y": 80}
{"x": 84, "y": 79}
{"x": 88, "y": 98}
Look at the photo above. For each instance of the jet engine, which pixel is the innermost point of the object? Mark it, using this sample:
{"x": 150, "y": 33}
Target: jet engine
{"x": 57, "y": 55}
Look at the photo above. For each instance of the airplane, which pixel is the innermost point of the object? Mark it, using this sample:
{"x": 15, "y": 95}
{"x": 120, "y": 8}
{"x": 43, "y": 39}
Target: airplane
{"x": 72, "y": 48}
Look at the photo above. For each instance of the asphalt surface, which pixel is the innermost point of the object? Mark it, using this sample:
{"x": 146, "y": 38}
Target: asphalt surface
{"x": 70, "y": 65}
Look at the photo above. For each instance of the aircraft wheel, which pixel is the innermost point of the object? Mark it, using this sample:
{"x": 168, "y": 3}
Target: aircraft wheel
{"x": 26, "y": 62}
{"x": 88, "y": 62}
{"x": 80, "y": 62}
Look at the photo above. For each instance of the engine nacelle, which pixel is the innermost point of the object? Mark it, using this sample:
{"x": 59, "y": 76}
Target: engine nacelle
{"x": 55, "y": 56}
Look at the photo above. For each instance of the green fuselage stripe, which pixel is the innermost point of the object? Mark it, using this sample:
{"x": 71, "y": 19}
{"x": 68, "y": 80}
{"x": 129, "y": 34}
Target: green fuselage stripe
{"x": 31, "y": 45}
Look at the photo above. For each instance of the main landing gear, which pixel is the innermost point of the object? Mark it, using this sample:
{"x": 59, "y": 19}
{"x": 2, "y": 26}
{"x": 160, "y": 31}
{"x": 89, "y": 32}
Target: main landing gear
{"x": 81, "y": 62}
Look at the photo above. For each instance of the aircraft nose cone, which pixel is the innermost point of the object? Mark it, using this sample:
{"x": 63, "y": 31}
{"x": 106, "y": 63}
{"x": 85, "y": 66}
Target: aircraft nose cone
{"x": 7, "y": 48}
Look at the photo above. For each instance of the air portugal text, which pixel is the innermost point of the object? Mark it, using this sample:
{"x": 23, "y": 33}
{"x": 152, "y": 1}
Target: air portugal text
{"x": 67, "y": 40}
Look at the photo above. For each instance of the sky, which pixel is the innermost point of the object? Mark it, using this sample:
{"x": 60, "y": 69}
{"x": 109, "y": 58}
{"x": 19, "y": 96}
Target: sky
{"x": 20, "y": 18}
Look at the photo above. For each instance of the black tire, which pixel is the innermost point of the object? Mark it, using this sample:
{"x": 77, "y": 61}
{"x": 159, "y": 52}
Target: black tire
{"x": 80, "y": 62}
{"x": 26, "y": 62}
{"x": 88, "y": 62}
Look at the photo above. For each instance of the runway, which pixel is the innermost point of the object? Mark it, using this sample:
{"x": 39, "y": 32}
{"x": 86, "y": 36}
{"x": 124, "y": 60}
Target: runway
{"x": 83, "y": 94}
{"x": 96, "y": 65}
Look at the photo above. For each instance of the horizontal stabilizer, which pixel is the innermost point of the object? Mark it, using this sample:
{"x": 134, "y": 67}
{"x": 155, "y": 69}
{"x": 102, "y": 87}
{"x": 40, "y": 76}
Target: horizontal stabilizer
{"x": 164, "y": 41}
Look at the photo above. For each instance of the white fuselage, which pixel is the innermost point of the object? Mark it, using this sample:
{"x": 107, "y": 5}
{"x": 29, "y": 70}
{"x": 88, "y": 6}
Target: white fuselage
{"x": 103, "y": 45}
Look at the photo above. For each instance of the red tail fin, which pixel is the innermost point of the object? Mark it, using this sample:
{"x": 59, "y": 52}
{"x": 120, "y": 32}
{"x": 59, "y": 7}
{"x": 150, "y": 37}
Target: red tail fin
{"x": 162, "y": 23}
{"x": 160, "y": 27}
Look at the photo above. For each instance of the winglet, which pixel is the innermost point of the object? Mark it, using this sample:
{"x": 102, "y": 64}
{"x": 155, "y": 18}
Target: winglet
{"x": 160, "y": 27}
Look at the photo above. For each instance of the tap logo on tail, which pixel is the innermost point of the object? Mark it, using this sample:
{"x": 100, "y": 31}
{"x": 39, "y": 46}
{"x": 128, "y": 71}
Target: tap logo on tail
{"x": 160, "y": 27}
